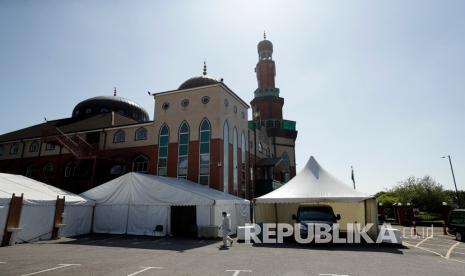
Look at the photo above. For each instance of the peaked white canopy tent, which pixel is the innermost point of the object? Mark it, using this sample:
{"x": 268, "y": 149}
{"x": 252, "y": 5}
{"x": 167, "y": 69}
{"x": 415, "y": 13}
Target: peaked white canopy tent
{"x": 38, "y": 208}
{"x": 315, "y": 185}
{"x": 136, "y": 203}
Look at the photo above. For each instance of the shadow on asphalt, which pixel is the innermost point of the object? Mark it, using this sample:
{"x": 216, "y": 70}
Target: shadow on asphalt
{"x": 138, "y": 242}
{"x": 362, "y": 247}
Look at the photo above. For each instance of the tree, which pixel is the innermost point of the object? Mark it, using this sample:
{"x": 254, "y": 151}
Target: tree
{"x": 424, "y": 193}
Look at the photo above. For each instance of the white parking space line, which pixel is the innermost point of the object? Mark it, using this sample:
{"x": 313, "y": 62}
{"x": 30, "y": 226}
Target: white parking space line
{"x": 437, "y": 246}
{"x": 451, "y": 249}
{"x": 237, "y": 271}
{"x": 333, "y": 274}
{"x": 50, "y": 269}
{"x": 2, "y": 262}
{"x": 422, "y": 241}
{"x": 145, "y": 268}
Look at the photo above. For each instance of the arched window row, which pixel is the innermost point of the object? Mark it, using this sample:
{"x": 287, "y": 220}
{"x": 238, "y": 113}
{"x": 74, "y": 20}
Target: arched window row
{"x": 204, "y": 152}
{"x": 163, "y": 141}
{"x": 140, "y": 164}
{"x": 183, "y": 150}
{"x": 225, "y": 157}
{"x": 243, "y": 163}
{"x": 71, "y": 169}
{"x": 139, "y": 135}
{"x": 235, "y": 168}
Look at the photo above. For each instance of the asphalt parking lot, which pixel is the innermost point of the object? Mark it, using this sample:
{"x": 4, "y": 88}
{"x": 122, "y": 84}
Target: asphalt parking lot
{"x": 433, "y": 240}
{"x": 130, "y": 255}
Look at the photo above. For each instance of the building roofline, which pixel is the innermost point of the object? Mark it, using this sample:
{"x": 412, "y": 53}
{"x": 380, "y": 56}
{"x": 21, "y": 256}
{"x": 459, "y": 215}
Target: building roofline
{"x": 223, "y": 85}
{"x": 78, "y": 132}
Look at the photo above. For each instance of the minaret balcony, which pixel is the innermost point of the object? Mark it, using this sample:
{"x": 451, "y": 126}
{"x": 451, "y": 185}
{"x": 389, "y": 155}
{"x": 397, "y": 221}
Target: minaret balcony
{"x": 273, "y": 123}
{"x": 266, "y": 92}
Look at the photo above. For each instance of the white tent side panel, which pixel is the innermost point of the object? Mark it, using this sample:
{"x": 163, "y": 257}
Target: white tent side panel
{"x": 78, "y": 220}
{"x": 265, "y": 213}
{"x": 110, "y": 219}
{"x": 36, "y": 222}
{"x": 144, "y": 218}
{"x": 239, "y": 214}
{"x": 4, "y": 207}
{"x": 204, "y": 215}
{"x": 371, "y": 206}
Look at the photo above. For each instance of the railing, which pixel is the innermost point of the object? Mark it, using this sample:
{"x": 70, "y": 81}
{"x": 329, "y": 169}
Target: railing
{"x": 75, "y": 144}
{"x": 273, "y": 123}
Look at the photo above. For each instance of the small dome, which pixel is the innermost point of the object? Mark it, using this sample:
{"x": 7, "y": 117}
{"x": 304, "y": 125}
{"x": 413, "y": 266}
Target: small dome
{"x": 104, "y": 104}
{"x": 197, "y": 82}
{"x": 265, "y": 45}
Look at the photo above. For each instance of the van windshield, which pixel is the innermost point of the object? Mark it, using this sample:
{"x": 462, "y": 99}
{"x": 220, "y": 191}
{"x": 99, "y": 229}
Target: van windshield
{"x": 316, "y": 214}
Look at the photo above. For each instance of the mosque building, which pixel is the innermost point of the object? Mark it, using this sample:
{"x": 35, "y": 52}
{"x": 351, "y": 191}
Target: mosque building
{"x": 201, "y": 132}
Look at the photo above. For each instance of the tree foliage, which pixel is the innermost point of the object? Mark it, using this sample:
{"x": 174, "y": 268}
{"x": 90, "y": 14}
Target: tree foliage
{"x": 424, "y": 193}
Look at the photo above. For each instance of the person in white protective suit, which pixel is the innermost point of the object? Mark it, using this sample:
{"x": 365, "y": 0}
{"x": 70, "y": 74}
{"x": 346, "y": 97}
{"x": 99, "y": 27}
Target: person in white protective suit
{"x": 226, "y": 229}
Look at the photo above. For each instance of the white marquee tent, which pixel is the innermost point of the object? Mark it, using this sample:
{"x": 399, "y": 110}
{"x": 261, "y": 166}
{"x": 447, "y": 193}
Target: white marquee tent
{"x": 315, "y": 185}
{"x": 38, "y": 209}
{"x": 136, "y": 203}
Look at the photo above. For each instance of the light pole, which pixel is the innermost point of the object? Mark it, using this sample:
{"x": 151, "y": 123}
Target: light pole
{"x": 453, "y": 177}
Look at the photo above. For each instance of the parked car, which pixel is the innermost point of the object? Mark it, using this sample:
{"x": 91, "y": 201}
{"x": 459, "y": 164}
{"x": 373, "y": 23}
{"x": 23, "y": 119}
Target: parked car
{"x": 456, "y": 224}
{"x": 315, "y": 214}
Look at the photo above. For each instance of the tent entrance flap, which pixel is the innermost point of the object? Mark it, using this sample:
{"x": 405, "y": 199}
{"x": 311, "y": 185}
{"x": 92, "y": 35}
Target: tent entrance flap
{"x": 184, "y": 221}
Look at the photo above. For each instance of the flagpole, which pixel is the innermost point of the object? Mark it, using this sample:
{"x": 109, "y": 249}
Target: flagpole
{"x": 352, "y": 175}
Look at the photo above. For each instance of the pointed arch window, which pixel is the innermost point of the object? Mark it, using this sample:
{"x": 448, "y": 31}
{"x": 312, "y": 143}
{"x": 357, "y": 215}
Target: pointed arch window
{"x": 71, "y": 169}
{"x": 235, "y": 164}
{"x": 48, "y": 170}
{"x": 204, "y": 156}
{"x": 183, "y": 150}
{"x": 140, "y": 164}
{"x": 117, "y": 169}
{"x": 32, "y": 171}
{"x": 119, "y": 137}
{"x": 141, "y": 134}
{"x": 243, "y": 158}
{"x": 163, "y": 140}
{"x": 34, "y": 147}
{"x": 14, "y": 149}
{"x": 225, "y": 156}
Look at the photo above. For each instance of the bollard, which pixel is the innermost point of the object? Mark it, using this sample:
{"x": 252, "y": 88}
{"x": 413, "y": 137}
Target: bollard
{"x": 414, "y": 223}
{"x": 444, "y": 228}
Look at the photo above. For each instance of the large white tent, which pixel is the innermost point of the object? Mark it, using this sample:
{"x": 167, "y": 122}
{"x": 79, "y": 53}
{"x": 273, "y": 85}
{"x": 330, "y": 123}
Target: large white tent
{"x": 38, "y": 208}
{"x": 315, "y": 185}
{"x": 136, "y": 203}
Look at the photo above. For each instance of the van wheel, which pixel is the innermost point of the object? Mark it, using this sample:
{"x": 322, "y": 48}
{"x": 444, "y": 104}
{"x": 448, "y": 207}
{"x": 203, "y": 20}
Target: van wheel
{"x": 459, "y": 236}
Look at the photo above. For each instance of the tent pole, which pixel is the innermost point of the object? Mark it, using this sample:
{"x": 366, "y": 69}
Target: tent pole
{"x": 127, "y": 219}
{"x": 254, "y": 219}
{"x": 276, "y": 215}
{"x": 212, "y": 208}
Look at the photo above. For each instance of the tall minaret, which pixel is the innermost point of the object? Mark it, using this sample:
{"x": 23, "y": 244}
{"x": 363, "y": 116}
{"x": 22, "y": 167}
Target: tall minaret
{"x": 267, "y": 107}
{"x": 267, "y": 102}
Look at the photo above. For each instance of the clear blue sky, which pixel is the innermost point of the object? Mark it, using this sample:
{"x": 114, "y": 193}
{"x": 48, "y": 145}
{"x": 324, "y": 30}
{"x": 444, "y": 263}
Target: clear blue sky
{"x": 375, "y": 84}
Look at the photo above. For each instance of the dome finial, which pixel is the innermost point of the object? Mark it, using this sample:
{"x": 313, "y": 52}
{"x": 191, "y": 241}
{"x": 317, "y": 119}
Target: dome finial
{"x": 114, "y": 91}
{"x": 264, "y": 35}
{"x": 204, "y": 68}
